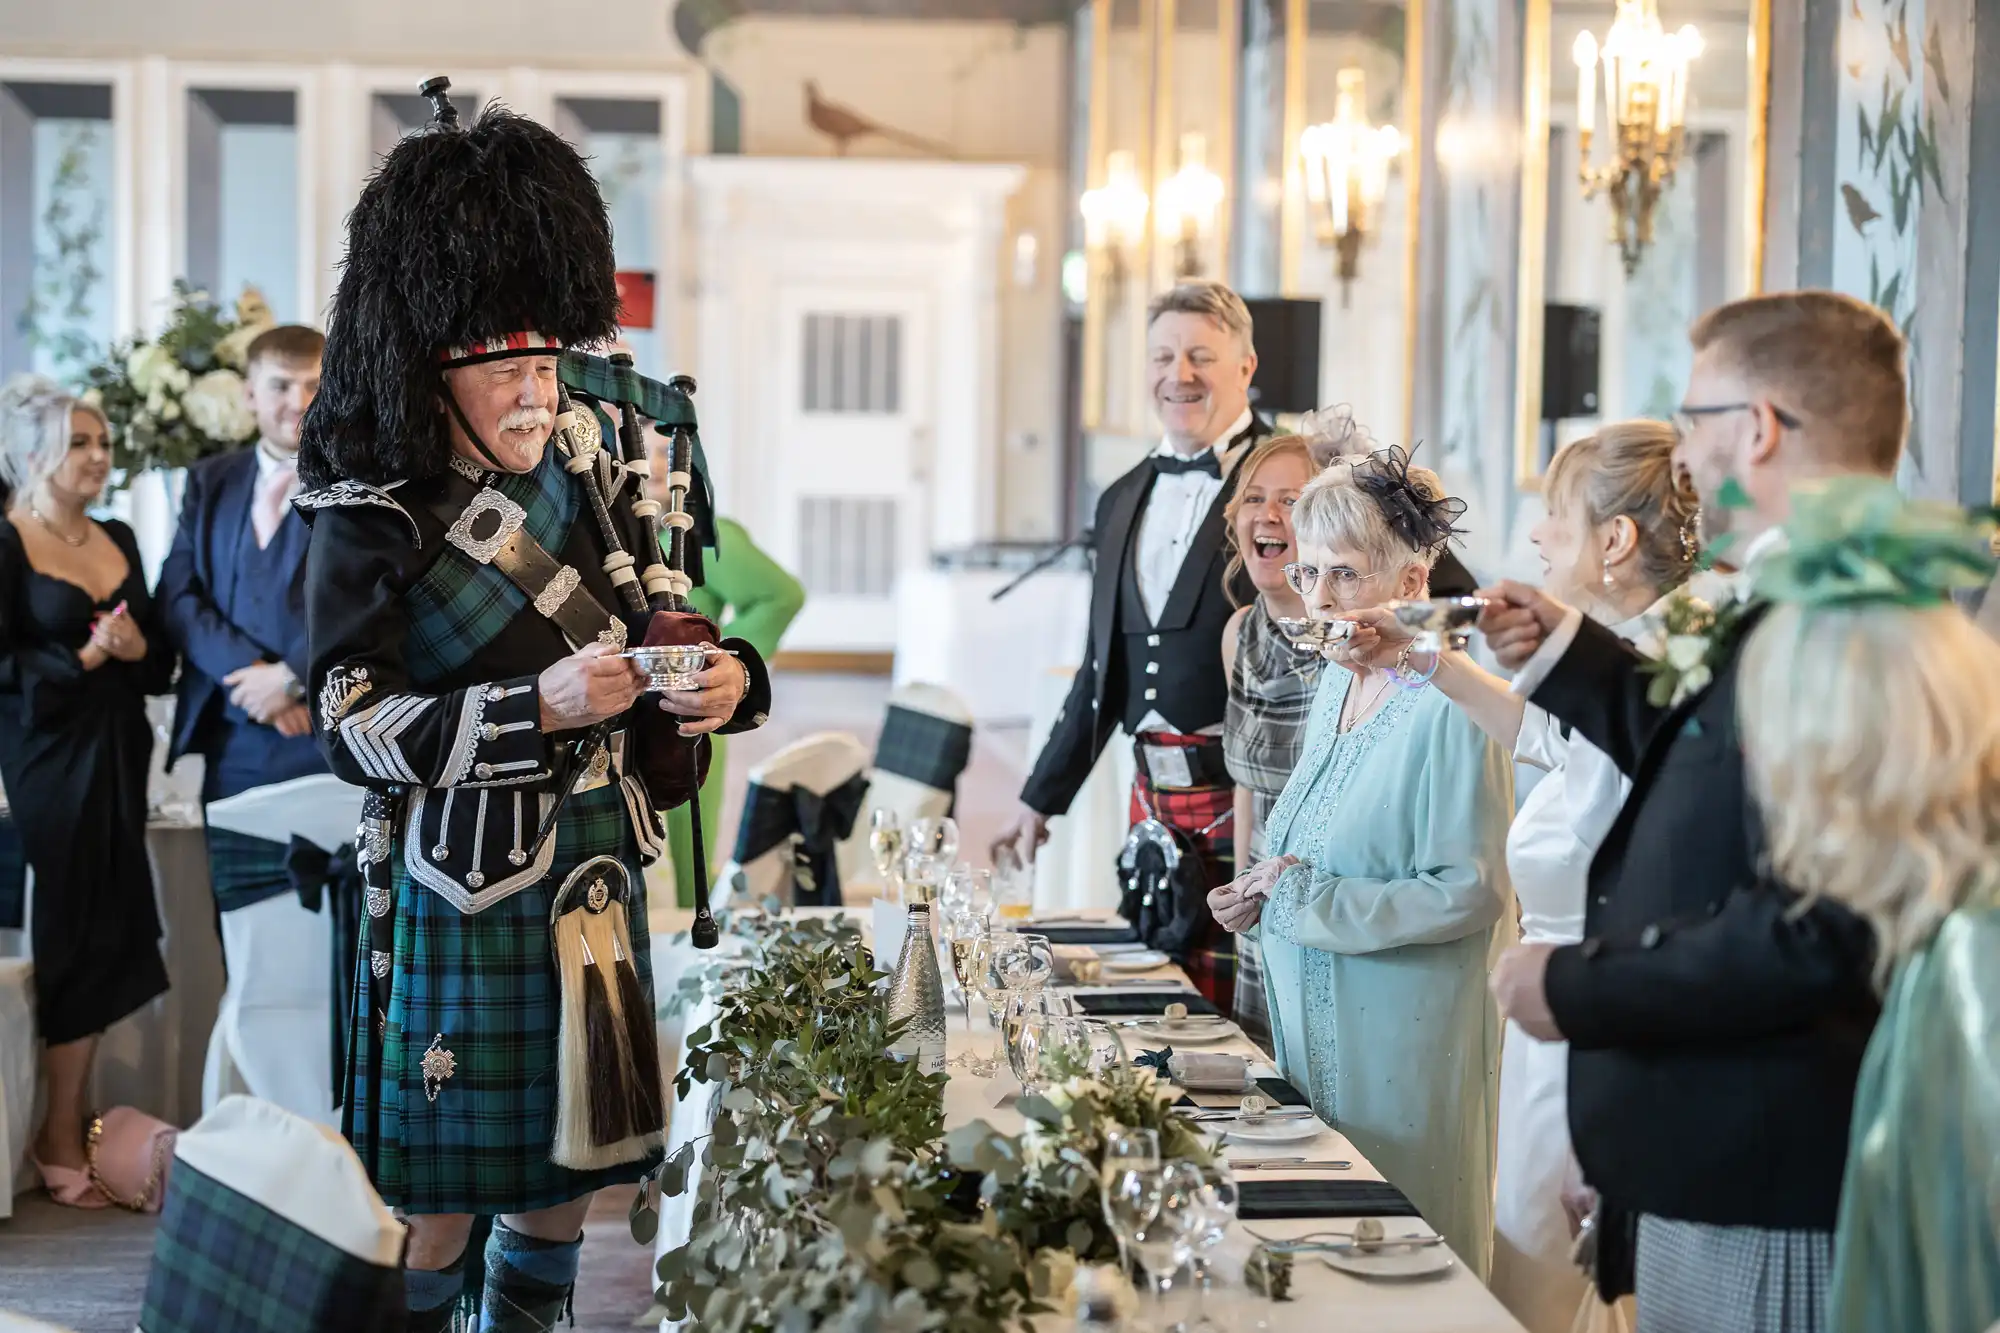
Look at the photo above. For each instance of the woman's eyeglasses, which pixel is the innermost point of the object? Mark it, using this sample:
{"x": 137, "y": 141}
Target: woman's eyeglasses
{"x": 1345, "y": 582}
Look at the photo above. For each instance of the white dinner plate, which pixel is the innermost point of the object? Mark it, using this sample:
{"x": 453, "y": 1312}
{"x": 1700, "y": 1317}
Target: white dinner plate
{"x": 1185, "y": 1034}
{"x": 1394, "y": 1262}
{"x": 1286, "y": 1129}
{"x": 1141, "y": 960}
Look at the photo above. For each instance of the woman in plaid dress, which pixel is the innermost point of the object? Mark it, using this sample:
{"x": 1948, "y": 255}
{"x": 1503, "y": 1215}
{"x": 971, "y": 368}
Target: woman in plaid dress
{"x": 457, "y": 562}
{"x": 1271, "y": 683}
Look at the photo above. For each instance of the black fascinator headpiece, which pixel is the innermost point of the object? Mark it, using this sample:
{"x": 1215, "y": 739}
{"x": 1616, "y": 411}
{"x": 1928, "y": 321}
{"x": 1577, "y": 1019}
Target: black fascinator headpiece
{"x": 1427, "y": 523}
{"x": 491, "y": 234}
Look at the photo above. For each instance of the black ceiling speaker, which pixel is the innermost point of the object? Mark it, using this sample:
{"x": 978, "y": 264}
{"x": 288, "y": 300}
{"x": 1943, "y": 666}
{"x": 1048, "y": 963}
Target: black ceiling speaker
{"x": 1287, "y": 337}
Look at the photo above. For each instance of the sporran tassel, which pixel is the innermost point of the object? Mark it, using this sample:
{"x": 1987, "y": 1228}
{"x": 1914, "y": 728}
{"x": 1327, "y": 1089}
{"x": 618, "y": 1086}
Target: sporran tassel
{"x": 649, "y": 1112}
{"x": 610, "y": 1111}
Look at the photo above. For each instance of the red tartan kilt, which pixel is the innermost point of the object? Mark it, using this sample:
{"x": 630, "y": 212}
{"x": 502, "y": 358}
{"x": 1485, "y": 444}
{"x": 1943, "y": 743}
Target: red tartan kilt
{"x": 1211, "y": 965}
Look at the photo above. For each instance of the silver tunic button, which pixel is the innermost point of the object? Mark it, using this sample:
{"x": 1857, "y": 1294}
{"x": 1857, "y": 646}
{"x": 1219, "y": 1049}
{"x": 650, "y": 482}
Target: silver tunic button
{"x": 474, "y": 879}
{"x": 491, "y": 731}
{"x": 1152, "y": 668}
{"x": 440, "y": 852}
{"x": 495, "y": 694}
{"x": 1152, "y": 694}
{"x": 1152, "y": 640}
{"x": 517, "y": 857}
{"x": 482, "y": 771}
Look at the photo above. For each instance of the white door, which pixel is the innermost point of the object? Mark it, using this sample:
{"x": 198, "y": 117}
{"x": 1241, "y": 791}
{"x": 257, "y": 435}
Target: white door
{"x": 849, "y": 484}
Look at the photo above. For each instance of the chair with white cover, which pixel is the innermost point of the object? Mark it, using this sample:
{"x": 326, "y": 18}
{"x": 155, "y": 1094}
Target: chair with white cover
{"x": 802, "y": 802}
{"x": 270, "y": 1223}
{"x": 925, "y": 745}
{"x": 289, "y": 973}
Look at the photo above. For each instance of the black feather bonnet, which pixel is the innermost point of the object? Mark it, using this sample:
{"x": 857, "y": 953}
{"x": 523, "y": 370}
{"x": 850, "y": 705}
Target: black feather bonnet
{"x": 463, "y": 235}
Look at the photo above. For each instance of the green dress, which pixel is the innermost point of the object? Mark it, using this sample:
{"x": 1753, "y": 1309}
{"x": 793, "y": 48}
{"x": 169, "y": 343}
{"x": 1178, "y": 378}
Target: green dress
{"x": 1918, "y": 1245}
{"x": 753, "y": 598}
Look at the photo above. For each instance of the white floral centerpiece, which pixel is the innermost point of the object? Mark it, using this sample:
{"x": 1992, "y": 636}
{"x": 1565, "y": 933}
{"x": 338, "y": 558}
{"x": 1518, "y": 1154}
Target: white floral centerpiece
{"x": 176, "y": 398}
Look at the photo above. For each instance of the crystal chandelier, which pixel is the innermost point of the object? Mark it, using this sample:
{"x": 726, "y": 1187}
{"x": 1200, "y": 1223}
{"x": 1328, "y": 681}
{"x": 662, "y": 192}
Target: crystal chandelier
{"x": 1114, "y": 217}
{"x": 1646, "y": 73}
{"x": 1347, "y": 164}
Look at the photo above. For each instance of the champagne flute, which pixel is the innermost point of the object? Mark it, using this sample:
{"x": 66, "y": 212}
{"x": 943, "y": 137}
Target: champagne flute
{"x": 885, "y": 843}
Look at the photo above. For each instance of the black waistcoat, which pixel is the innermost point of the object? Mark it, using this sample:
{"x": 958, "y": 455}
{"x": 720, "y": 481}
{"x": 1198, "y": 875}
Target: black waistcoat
{"x": 1177, "y": 672}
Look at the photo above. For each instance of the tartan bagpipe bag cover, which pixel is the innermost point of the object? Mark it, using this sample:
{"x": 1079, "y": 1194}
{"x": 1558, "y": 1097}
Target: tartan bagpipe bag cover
{"x": 270, "y": 1223}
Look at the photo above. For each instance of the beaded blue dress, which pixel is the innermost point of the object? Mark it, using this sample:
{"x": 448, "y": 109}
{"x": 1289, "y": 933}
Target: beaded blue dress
{"x": 1377, "y": 945}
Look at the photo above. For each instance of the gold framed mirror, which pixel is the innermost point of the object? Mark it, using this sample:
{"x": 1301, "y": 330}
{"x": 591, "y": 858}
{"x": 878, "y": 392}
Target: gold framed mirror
{"x": 1642, "y": 203}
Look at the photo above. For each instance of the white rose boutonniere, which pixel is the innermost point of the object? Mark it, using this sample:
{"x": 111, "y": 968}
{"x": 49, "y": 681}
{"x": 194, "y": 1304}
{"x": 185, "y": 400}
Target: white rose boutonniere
{"x": 1694, "y": 635}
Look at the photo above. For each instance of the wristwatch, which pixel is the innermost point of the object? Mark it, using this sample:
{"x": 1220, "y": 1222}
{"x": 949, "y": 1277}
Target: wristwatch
{"x": 295, "y": 689}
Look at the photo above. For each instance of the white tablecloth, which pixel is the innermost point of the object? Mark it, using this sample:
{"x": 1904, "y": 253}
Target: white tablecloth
{"x": 1454, "y": 1303}
{"x": 1078, "y": 865}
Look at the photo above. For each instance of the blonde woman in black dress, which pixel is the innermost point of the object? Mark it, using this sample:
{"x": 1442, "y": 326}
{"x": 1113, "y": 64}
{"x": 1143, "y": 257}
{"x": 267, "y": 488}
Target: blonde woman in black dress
{"x": 80, "y": 650}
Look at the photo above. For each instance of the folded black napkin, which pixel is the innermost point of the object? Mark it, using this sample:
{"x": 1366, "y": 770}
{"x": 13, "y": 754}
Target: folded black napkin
{"x": 1141, "y": 1004}
{"x": 1278, "y": 1091}
{"x": 1315, "y": 1197}
{"x": 1087, "y": 934}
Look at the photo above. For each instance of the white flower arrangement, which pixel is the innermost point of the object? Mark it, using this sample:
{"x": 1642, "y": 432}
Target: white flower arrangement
{"x": 179, "y": 397}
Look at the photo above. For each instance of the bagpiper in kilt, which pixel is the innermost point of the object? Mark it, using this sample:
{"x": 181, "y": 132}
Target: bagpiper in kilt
{"x": 469, "y": 581}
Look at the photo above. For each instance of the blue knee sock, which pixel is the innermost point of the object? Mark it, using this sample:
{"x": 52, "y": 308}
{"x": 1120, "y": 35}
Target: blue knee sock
{"x": 432, "y": 1295}
{"x": 528, "y": 1281}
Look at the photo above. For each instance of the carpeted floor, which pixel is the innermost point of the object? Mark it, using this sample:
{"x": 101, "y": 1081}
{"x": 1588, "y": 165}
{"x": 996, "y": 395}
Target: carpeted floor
{"x": 86, "y": 1271}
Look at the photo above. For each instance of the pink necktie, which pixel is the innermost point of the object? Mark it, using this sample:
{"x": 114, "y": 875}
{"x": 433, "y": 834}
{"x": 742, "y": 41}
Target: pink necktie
{"x": 274, "y": 492}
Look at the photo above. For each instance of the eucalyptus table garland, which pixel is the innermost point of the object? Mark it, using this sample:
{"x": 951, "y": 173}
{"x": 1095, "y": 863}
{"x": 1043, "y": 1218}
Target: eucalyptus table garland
{"x": 830, "y": 1196}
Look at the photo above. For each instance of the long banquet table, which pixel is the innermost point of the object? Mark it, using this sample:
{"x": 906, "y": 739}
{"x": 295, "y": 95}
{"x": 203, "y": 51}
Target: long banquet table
{"x": 1321, "y": 1296}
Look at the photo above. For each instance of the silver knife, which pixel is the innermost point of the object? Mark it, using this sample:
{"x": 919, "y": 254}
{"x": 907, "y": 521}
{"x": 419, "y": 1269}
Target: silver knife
{"x": 1287, "y": 1164}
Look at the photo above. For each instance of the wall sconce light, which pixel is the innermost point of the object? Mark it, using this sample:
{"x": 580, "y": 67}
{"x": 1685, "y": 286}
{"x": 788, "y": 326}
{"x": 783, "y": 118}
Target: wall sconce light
{"x": 1114, "y": 218}
{"x": 1347, "y": 163}
{"x": 1645, "y": 97}
{"x": 1190, "y": 199}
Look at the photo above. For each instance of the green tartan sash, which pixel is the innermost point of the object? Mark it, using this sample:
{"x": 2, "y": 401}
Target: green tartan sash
{"x": 459, "y": 605}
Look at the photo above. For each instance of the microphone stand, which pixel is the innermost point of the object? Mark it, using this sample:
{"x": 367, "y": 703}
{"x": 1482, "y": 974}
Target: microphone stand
{"x": 1082, "y": 539}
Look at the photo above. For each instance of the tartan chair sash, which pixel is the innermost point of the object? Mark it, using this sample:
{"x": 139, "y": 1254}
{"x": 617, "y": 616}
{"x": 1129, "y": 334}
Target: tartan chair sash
{"x": 923, "y": 747}
{"x": 773, "y": 816}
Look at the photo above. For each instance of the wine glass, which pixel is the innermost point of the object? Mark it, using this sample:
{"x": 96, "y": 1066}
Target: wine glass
{"x": 1027, "y": 962}
{"x": 1045, "y": 1047}
{"x": 1129, "y": 1185}
{"x": 1100, "y": 1046}
{"x": 1217, "y": 1204}
{"x": 970, "y": 890}
{"x": 935, "y": 835}
{"x": 885, "y": 843}
{"x": 1166, "y": 1240}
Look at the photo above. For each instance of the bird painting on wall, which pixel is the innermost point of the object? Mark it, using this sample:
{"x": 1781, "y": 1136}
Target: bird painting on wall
{"x": 844, "y": 125}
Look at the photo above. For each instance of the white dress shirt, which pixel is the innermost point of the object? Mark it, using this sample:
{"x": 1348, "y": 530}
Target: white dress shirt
{"x": 1173, "y": 513}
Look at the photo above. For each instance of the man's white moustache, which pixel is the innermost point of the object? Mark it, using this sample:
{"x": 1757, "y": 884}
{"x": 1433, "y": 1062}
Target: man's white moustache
{"x": 525, "y": 418}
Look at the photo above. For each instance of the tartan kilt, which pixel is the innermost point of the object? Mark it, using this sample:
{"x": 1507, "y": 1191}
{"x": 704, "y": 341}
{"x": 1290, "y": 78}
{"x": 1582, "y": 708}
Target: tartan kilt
{"x": 244, "y": 870}
{"x": 487, "y": 984}
{"x": 225, "y": 1263}
{"x": 1211, "y": 964}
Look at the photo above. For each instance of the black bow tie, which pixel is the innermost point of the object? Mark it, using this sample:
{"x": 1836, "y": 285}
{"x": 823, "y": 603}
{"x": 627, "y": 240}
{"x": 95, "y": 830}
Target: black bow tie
{"x": 1170, "y": 465}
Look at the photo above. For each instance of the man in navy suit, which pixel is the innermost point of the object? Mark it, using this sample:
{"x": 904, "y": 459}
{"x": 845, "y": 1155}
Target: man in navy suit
{"x": 232, "y": 593}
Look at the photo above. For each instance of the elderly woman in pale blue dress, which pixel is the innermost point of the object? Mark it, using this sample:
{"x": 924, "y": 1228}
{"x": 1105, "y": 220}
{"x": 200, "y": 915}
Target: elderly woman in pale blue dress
{"x": 1377, "y": 910}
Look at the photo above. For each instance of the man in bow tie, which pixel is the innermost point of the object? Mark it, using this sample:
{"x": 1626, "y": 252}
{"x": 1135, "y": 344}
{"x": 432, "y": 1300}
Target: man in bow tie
{"x": 1158, "y": 606}
{"x": 233, "y": 595}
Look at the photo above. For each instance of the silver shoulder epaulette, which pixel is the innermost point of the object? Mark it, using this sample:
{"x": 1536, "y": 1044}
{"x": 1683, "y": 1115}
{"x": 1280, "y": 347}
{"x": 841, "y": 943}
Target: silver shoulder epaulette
{"x": 346, "y": 494}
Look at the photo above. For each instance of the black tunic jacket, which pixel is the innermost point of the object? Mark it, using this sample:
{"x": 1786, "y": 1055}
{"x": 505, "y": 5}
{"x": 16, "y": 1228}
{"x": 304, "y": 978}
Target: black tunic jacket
{"x": 1716, "y": 1029}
